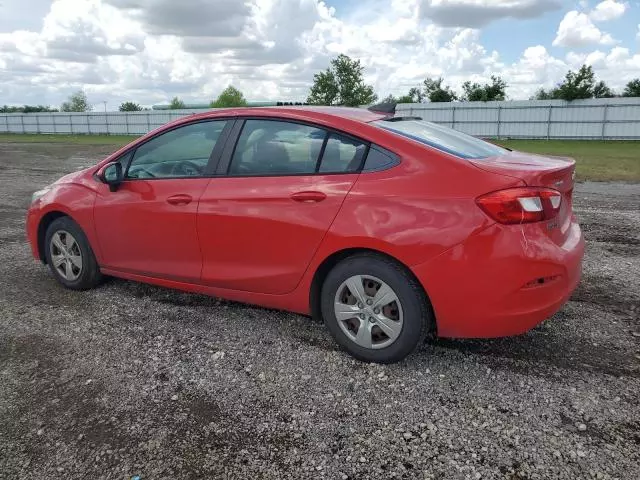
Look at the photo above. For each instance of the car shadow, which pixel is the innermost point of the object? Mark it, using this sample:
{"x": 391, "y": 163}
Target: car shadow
{"x": 546, "y": 351}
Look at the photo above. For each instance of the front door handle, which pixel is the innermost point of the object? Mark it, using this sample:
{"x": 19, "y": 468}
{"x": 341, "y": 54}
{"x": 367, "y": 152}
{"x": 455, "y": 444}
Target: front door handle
{"x": 308, "y": 197}
{"x": 180, "y": 199}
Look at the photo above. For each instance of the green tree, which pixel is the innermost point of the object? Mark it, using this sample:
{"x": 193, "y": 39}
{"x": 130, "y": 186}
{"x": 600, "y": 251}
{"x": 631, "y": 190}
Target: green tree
{"x": 474, "y": 92}
{"x": 77, "y": 102}
{"x": 496, "y": 90}
{"x": 435, "y": 92}
{"x": 602, "y": 90}
{"x": 632, "y": 89}
{"x": 176, "y": 104}
{"x": 416, "y": 94}
{"x": 37, "y": 108}
{"x": 406, "y": 99}
{"x": 577, "y": 85}
{"x": 129, "y": 107}
{"x": 543, "y": 94}
{"x": 230, "y": 97}
{"x": 341, "y": 84}
{"x": 26, "y": 109}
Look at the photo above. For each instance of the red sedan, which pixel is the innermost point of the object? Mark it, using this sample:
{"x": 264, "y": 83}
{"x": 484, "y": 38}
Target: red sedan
{"x": 386, "y": 227}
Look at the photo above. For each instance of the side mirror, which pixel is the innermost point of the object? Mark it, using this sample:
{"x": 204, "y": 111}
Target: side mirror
{"x": 111, "y": 174}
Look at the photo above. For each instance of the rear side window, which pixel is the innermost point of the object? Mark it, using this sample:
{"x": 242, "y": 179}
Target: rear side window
{"x": 342, "y": 154}
{"x": 268, "y": 147}
{"x": 443, "y": 138}
{"x": 380, "y": 159}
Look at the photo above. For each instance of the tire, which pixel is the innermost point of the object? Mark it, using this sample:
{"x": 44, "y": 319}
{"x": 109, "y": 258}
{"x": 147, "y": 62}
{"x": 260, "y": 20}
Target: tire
{"x": 84, "y": 273}
{"x": 411, "y": 308}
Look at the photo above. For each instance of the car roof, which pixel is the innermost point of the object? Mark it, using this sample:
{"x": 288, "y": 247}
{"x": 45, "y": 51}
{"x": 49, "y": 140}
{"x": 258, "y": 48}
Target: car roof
{"x": 301, "y": 112}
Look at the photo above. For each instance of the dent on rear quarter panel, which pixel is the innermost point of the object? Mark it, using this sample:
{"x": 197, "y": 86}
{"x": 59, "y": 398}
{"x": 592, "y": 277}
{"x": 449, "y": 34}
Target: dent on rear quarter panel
{"x": 417, "y": 210}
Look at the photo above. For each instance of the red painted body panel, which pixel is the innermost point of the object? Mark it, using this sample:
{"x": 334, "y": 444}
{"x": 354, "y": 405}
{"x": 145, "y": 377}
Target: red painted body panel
{"x": 247, "y": 239}
{"x": 140, "y": 232}
{"x": 478, "y": 288}
{"x": 73, "y": 195}
{"x": 256, "y": 238}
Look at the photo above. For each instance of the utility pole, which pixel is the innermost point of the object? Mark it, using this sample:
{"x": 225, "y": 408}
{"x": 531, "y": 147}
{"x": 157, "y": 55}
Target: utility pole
{"x": 105, "y": 106}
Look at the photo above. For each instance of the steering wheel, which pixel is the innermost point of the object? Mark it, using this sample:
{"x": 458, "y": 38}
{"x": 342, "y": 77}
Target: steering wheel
{"x": 139, "y": 169}
{"x": 186, "y": 168}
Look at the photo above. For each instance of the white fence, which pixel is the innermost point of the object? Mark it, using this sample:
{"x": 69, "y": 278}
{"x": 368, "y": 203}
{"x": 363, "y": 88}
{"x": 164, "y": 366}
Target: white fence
{"x": 615, "y": 118}
{"x": 91, "y": 123}
{"x": 606, "y": 118}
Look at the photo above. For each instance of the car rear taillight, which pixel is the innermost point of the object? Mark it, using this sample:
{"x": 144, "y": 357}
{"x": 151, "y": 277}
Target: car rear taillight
{"x": 521, "y": 205}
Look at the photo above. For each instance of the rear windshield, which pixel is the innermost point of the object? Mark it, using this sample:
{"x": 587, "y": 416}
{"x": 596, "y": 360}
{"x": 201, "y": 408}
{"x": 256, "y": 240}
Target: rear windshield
{"x": 442, "y": 138}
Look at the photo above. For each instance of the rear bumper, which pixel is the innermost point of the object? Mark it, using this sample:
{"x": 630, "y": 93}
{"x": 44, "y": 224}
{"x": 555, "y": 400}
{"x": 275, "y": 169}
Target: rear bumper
{"x": 487, "y": 286}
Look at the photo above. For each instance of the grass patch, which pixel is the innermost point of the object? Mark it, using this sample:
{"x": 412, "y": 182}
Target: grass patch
{"x": 116, "y": 140}
{"x": 596, "y": 160}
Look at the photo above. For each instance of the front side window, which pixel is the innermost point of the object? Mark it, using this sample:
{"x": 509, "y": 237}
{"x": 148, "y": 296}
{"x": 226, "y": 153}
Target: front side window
{"x": 443, "y": 138}
{"x": 182, "y": 152}
{"x": 268, "y": 147}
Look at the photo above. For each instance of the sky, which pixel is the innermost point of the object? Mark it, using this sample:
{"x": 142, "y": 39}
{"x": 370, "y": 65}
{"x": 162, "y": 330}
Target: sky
{"x": 149, "y": 51}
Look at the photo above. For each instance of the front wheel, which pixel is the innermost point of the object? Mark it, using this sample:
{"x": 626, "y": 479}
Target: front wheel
{"x": 69, "y": 255}
{"x": 375, "y": 309}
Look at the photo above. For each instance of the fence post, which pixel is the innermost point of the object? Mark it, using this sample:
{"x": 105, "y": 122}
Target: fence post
{"x": 126, "y": 121}
{"x": 6, "y": 122}
{"x": 604, "y": 120}
{"x": 70, "y": 124}
{"x": 88, "y": 124}
{"x": 148, "y": 123}
{"x": 22, "y": 123}
{"x": 53, "y": 122}
{"x": 549, "y": 123}
{"x": 453, "y": 116}
{"x": 37, "y": 123}
{"x": 499, "y": 115}
{"x": 106, "y": 122}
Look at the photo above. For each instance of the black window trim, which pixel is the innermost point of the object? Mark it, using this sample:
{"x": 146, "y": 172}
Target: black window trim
{"x": 214, "y": 157}
{"x": 325, "y": 140}
{"x": 224, "y": 164}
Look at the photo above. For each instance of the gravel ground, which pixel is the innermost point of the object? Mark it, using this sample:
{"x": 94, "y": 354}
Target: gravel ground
{"x": 130, "y": 379}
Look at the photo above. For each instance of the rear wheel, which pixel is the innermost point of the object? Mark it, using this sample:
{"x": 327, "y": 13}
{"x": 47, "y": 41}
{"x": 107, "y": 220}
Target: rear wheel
{"x": 69, "y": 255}
{"x": 375, "y": 309}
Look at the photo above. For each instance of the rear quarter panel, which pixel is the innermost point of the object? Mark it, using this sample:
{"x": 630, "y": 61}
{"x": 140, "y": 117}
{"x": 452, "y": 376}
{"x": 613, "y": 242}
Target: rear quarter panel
{"x": 416, "y": 210}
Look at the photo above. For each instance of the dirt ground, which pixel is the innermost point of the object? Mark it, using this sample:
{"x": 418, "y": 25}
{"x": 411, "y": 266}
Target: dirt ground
{"x": 130, "y": 379}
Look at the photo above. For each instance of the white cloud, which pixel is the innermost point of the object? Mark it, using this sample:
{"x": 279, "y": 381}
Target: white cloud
{"x": 608, "y": 10}
{"x": 476, "y": 13}
{"x": 597, "y": 59}
{"x": 151, "y": 50}
{"x": 577, "y": 30}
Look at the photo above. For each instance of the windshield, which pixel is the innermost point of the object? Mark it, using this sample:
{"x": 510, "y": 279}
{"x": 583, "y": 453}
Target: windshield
{"x": 442, "y": 138}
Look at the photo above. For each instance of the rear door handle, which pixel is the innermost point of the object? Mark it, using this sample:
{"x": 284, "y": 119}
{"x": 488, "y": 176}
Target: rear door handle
{"x": 308, "y": 197}
{"x": 180, "y": 199}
